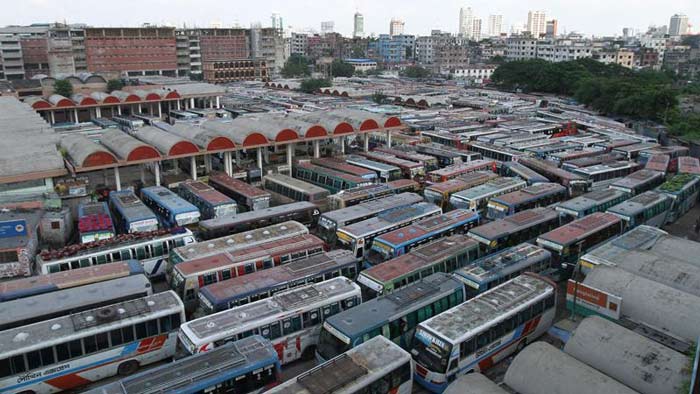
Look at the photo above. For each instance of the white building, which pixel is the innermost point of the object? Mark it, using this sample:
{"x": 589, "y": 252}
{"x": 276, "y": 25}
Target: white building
{"x": 358, "y": 25}
{"x": 476, "y": 29}
{"x": 362, "y": 64}
{"x": 537, "y": 23}
{"x": 298, "y": 44}
{"x": 327, "y": 27}
{"x": 475, "y": 73}
{"x": 465, "y": 21}
{"x": 657, "y": 43}
{"x": 521, "y": 48}
{"x": 495, "y": 25}
{"x": 396, "y": 27}
{"x": 563, "y": 50}
{"x": 277, "y": 21}
{"x": 678, "y": 25}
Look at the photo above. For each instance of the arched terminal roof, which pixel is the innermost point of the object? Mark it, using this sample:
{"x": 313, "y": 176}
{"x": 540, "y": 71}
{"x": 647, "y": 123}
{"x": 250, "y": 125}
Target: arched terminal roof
{"x": 127, "y": 147}
{"x": 83, "y": 152}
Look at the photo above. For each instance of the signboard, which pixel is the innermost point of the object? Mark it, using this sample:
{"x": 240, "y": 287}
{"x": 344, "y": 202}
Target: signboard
{"x": 13, "y": 228}
{"x": 591, "y": 301}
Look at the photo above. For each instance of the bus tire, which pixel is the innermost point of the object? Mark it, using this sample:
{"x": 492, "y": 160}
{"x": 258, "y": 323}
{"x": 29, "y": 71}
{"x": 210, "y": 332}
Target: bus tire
{"x": 127, "y": 368}
{"x": 27, "y": 392}
{"x": 308, "y": 353}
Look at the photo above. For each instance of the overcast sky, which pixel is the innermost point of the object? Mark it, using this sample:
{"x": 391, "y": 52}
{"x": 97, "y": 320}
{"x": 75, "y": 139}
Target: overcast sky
{"x": 599, "y": 17}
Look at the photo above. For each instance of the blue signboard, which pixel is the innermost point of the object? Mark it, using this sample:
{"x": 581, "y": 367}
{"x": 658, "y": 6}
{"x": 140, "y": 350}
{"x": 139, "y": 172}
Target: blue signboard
{"x": 13, "y": 228}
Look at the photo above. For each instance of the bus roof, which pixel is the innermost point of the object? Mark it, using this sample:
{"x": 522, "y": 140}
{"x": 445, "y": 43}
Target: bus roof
{"x": 257, "y": 214}
{"x": 94, "y": 216}
{"x": 635, "y": 147}
{"x": 688, "y": 165}
{"x": 335, "y": 173}
{"x": 372, "y": 207}
{"x": 206, "y": 192}
{"x": 638, "y": 203}
{"x": 374, "y": 189}
{"x": 413, "y": 156}
{"x": 473, "y": 165}
{"x": 600, "y": 168}
{"x": 130, "y": 206}
{"x": 364, "y": 162}
{"x": 340, "y": 165}
{"x": 579, "y": 229}
{"x": 449, "y": 186}
{"x": 530, "y": 193}
{"x": 246, "y": 189}
{"x": 490, "y": 187}
{"x": 389, "y": 218}
{"x": 678, "y": 183}
{"x": 678, "y": 150}
{"x": 513, "y": 223}
{"x": 523, "y": 171}
{"x": 636, "y": 178}
{"x": 169, "y": 199}
{"x": 591, "y": 199}
{"x": 392, "y": 160}
{"x": 503, "y": 263}
{"x": 296, "y": 184}
{"x": 464, "y": 319}
{"x": 427, "y": 225}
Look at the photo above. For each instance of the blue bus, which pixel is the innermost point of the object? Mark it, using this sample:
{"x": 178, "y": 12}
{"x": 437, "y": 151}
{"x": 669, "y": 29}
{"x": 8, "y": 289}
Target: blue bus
{"x": 249, "y": 365}
{"x": 515, "y": 169}
{"x": 210, "y": 202}
{"x": 172, "y": 210}
{"x": 131, "y": 215}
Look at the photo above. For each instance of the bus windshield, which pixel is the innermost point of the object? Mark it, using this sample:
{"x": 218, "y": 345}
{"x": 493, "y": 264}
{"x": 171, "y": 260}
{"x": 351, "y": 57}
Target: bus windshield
{"x": 431, "y": 352}
{"x": 330, "y": 344}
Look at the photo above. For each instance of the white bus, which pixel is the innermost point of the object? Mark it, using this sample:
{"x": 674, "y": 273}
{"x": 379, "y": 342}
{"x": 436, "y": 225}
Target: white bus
{"x": 291, "y": 320}
{"x": 475, "y": 335}
{"x": 72, "y": 351}
{"x": 477, "y": 198}
{"x": 377, "y": 366}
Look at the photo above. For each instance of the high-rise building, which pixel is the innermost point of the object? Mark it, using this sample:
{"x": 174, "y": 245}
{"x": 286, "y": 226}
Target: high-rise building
{"x": 476, "y": 30}
{"x": 465, "y": 21}
{"x": 537, "y": 23}
{"x": 327, "y": 27}
{"x": 396, "y": 27}
{"x": 277, "y": 22}
{"x": 495, "y": 26}
{"x": 552, "y": 27}
{"x": 678, "y": 25}
{"x": 358, "y": 25}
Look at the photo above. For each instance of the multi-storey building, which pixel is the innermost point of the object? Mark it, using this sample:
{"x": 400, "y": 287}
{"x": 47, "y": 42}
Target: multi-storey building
{"x": 563, "y": 50}
{"x": 537, "y": 23}
{"x": 495, "y": 25}
{"x": 358, "y": 26}
{"x": 678, "y": 25}
{"x": 388, "y": 49}
{"x": 396, "y": 27}
{"x": 215, "y": 71}
{"x": 425, "y": 46}
{"x": 521, "y": 47}
{"x": 623, "y": 57}
{"x": 299, "y": 44}
{"x": 11, "y": 58}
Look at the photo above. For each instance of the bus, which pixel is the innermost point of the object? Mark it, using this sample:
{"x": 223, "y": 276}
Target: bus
{"x": 688, "y": 165}
{"x": 172, "y": 211}
{"x": 444, "y": 158}
{"x": 131, "y": 215}
{"x": 295, "y": 189}
{"x": 150, "y": 249}
{"x": 638, "y": 182}
{"x": 493, "y": 270}
{"x": 575, "y": 184}
{"x": 40, "y": 307}
{"x": 72, "y": 351}
{"x": 651, "y": 208}
{"x": 246, "y": 195}
{"x": 560, "y": 158}
{"x": 41, "y": 284}
{"x": 385, "y": 172}
{"x": 513, "y": 230}
{"x": 440, "y": 193}
{"x": 330, "y": 222}
{"x": 409, "y": 169}
{"x": 393, "y": 316}
{"x": 249, "y": 365}
{"x": 428, "y": 162}
{"x": 539, "y": 195}
{"x": 444, "y": 255}
{"x": 189, "y": 276}
{"x": 477, "y": 334}
{"x": 595, "y": 201}
{"x": 378, "y": 366}
{"x": 683, "y": 190}
{"x": 515, "y": 169}
{"x": 329, "y": 179}
{"x": 602, "y": 175}
{"x": 354, "y": 196}
{"x": 673, "y": 153}
{"x": 630, "y": 152}
{"x": 259, "y": 285}
{"x": 658, "y": 163}
{"x": 476, "y": 198}
{"x": 569, "y": 242}
{"x": 454, "y": 171}
{"x": 344, "y": 167}
{"x": 304, "y": 212}
{"x": 495, "y": 152}
{"x": 443, "y": 137}
{"x": 358, "y": 236}
{"x": 400, "y": 241}
{"x": 291, "y": 319}
{"x": 602, "y": 158}
{"x": 94, "y": 222}
{"x": 128, "y": 123}
{"x": 210, "y": 202}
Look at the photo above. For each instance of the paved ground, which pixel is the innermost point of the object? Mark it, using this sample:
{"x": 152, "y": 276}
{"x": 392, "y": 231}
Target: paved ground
{"x": 684, "y": 227}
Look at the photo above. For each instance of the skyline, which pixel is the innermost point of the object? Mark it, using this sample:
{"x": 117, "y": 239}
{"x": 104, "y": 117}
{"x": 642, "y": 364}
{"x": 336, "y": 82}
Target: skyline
{"x": 581, "y": 16}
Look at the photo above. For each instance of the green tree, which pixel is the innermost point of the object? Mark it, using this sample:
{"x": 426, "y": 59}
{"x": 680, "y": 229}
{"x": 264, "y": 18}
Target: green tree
{"x": 379, "y": 97}
{"x": 341, "y": 69}
{"x": 312, "y": 85}
{"x": 415, "y": 72}
{"x": 498, "y": 59}
{"x": 114, "y": 84}
{"x": 63, "y": 88}
{"x": 296, "y": 66}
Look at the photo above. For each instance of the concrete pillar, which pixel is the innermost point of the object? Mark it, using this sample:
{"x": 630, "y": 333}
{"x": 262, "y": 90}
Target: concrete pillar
{"x": 193, "y": 167}
{"x": 260, "y": 158}
{"x": 366, "y": 142}
{"x": 317, "y": 149}
{"x": 160, "y": 113}
{"x": 117, "y": 179}
{"x": 388, "y": 139}
{"x": 266, "y": 153}
{"x": 290, "y": 155}
{"x": 238, "y": 158}
{"x": 176, "y": 167}
{"x": 207, "y": 163}
{"x": 119, "y": 109}
{"x": 142, "y": 173}
{"x": 227, "y": 163}
{"x": 192, "y": 102}
{"x": 138, "y": 107}
{"x": 342, "y": 145}
{"x": 211, "y": 103}
{"x": 218, "y": 102}
{"x": 75, "y": 112}
{"x": 98, "y": 112}
{"x": 53, "y": 117}
{"x": 156, "y": 170}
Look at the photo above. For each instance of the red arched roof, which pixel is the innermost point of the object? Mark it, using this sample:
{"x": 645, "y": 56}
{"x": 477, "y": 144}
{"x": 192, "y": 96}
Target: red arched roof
{"x": 316, "y": 131}
{"x": 152, "y": 97}
{"x": 410, "y": 101}
{"x": 143, "y": 152}
{"x": 343, "y": 128}
{"x": 41, "y": 104}
{"x": 110, "y": 100}
{"x": 393, "y": 121}
{"x": 286, "y": 86}
{"x": 369, "y": 124}
{"x": 132, "y": 98}
{"x": 64, "y": 102}
{"x": 336, "y": 93}
{"x": 183, "y": 148}
{"x": 326, "y": 91}
{"x": 345, "y": 94}
{"x": 423, "y": 103}
{"x": 100, "y": 158}
{"x": 255, "y": 139}
{"x": 172, "y": 95}
{"x": 267, "y": 84}
{"x": 286, "y": 135}
{"x": 219, "y": 143}
{"x": 88, "y": 101}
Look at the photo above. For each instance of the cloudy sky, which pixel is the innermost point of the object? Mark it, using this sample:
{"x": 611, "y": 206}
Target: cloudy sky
{"x": 599, "y": 17}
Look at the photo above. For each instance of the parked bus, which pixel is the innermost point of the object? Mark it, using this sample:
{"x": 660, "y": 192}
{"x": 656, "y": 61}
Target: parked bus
{"x": 345, "y": 167}
{"x": 476, "y": 198}
{"x": 291, "y": 319}
{"x": 454, "y": 171}
{"x": 393, "y": 316}
{"x": 249, "y": 365}
{"x": 443, "y": 137}
{"x": 539, "y": 195}
{"x": 440, "y": 193}
{"x": 409, "y": 169}
{"x": 377, "y": 366}
{"x": 495, "y": 152}
{"x": 569, "y": 242}
{"x": 515, "y": 169}
{"x": 94, "y": 222}
{"x": 150, "y": 249}
{"x": 354, "y": 196}
{"x": 651, "y": 208}
{"x": 429, "y": 162}
{"x": 304, "y": 212}
{"x": 493, "y": 270}
{"x": 131, "y": 215}
{"x": 385, "y": 172}
{"x": 595, "y": 201}
{"x": 172, "y": 211}
{"x": 658, "y": 163}
{"x": 331, "y": 180}
{"x": 40, "y": 307}
{"x": 638, "y": 182}
{"x": 295, "y": 189}
{"x": 210, "y": 202}
{"x": 688, "y": 165}
{"x": 444, "y": 158}
{"x": 631, "y": 152}
{"x": 477, "y": 334}
{"x": 602, "y": 158}
{"x": 561, "y": 158}
{"x": 575, "y": 184}
{"x": 524, "y": 226}
{"x": 259, "y": 285}
{"x": 683, "y": 190}
{"x": 330, "y": 222}
{"x": 189, "y": 276}
{"x": 398, "y": 242}
{"x": 246, "y": 195}
{"x": 128, "y": 123}
{"x": 673, "y": 153}
{"x": 444, "y": 255}
{"x": 602, "y": 175}
{"x": 41, "y": 284}
{"x": 71, "y": 351}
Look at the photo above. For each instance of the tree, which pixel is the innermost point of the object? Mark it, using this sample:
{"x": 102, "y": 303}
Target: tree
{"x": 114, "y": 84}
{"x": 498, "y": 59}
{"x": 312, "y": 85}
{"x": 341, "y": 69}
{"x": 63, "y": 88}
{"x": 296, "y": 66}
{"x": 379, "y": 97}
{"x": 416, "y": 72}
